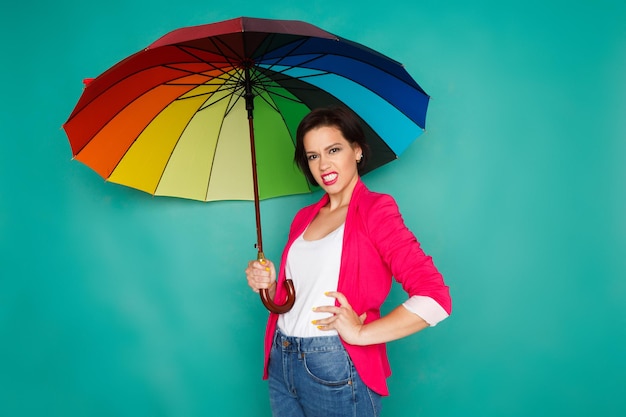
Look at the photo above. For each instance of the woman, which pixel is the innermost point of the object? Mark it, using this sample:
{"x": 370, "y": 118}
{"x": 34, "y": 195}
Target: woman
{"x": 326, "y": 356}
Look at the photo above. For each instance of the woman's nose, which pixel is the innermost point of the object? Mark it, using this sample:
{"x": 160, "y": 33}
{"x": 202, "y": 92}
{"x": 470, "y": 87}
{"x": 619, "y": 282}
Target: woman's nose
{"x": 324, "y": 162}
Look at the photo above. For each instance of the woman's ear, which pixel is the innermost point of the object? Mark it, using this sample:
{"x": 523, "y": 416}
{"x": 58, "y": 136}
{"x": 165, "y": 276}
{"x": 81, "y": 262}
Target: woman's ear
{"x": 358, "y": 153}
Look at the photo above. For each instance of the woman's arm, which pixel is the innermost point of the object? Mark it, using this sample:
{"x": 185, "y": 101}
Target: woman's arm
{"x": 399, "y": 323}
{"x": 401, "y": 251}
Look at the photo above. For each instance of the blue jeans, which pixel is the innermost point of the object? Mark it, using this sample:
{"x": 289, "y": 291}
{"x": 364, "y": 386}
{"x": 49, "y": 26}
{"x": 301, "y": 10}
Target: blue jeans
{"x": 314, "y": 377}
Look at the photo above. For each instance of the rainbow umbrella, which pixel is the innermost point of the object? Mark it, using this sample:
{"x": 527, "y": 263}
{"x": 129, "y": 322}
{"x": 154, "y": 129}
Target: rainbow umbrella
{"x": 170, "y": 120}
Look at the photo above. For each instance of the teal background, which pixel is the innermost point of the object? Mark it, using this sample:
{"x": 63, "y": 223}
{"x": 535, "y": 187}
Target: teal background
{"x": 116, "y": 303}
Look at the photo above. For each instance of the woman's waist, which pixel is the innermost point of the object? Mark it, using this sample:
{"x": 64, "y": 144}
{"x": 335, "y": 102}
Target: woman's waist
{"x": 307, "y": 344}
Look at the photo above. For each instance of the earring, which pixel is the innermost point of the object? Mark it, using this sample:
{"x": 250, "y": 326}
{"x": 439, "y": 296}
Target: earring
{"x": 358, "y": 161}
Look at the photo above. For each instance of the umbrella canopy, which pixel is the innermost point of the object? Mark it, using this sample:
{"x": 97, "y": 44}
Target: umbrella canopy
{"x": 170, "y": 120}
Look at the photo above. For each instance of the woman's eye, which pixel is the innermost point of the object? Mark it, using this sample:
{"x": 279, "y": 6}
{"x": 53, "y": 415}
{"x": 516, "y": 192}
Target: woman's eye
{"x": 334, "y": 150}
{"x": 311, "y": 157}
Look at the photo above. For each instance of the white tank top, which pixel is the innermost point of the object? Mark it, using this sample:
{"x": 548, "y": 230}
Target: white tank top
{"x": 313, "y": 265}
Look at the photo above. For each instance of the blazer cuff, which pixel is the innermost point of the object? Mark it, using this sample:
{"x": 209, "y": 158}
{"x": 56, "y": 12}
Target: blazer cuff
{"x": 427, "y": 308}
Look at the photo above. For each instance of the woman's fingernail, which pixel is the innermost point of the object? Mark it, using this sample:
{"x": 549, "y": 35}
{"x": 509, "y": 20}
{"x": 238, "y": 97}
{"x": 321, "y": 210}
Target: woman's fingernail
{"x": 314, "y": 308}
{"x": 320, "y": 327}
{"x": 314, "y": 322}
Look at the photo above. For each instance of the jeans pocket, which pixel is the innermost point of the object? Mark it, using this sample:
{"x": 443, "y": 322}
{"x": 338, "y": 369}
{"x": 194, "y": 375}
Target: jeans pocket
{"x": 330, "y": 368}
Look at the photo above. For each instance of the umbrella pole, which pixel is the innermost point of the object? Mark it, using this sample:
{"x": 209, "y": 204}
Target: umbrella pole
{"x": 255, "y": 180}
{"x": 288, "y": 284}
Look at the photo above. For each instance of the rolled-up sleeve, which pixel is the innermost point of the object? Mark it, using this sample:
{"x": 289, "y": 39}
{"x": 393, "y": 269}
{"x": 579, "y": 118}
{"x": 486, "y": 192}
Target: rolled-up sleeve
{"x": 427, "y": 308}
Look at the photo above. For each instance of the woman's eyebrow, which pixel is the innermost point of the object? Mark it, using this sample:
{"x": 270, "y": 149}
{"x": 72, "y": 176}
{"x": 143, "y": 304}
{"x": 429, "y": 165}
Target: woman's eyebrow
{"x": 326, "y": 148}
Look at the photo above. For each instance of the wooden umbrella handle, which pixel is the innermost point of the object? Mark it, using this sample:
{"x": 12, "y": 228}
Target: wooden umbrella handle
{"x": 279, "y": 308}
{"x": 267, "y": 300}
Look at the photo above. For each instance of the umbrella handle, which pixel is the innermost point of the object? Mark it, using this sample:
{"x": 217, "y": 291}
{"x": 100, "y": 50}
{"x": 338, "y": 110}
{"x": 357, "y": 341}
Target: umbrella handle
{"x": 279, "y": 308}
{"x": 267, "y": 300}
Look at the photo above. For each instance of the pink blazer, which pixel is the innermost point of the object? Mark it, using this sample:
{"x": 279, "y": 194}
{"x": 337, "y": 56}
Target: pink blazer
{"x": 376, "y": 247}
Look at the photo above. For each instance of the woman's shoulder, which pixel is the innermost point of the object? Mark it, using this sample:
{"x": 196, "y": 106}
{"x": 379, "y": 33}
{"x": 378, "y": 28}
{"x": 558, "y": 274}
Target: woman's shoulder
{"x": 368, "y": 199}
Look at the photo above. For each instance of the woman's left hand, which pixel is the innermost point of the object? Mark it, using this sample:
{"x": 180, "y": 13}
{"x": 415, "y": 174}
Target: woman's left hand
{"x": 343, "y": 319}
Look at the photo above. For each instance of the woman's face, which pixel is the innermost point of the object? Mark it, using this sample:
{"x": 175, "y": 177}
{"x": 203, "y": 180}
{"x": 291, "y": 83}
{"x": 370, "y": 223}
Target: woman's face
{"x": 332, "y": 159}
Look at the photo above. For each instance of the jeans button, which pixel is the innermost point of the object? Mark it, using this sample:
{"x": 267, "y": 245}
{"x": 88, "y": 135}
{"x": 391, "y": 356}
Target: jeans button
{"x": 285, "y": 343}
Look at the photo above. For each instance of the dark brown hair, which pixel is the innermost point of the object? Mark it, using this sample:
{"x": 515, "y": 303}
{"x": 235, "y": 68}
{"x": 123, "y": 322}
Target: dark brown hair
{"x": 338, "y": 117}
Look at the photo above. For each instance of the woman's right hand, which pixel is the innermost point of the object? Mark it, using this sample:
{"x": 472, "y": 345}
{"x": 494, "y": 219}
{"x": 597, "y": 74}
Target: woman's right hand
{"x": 261, "y": 275}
